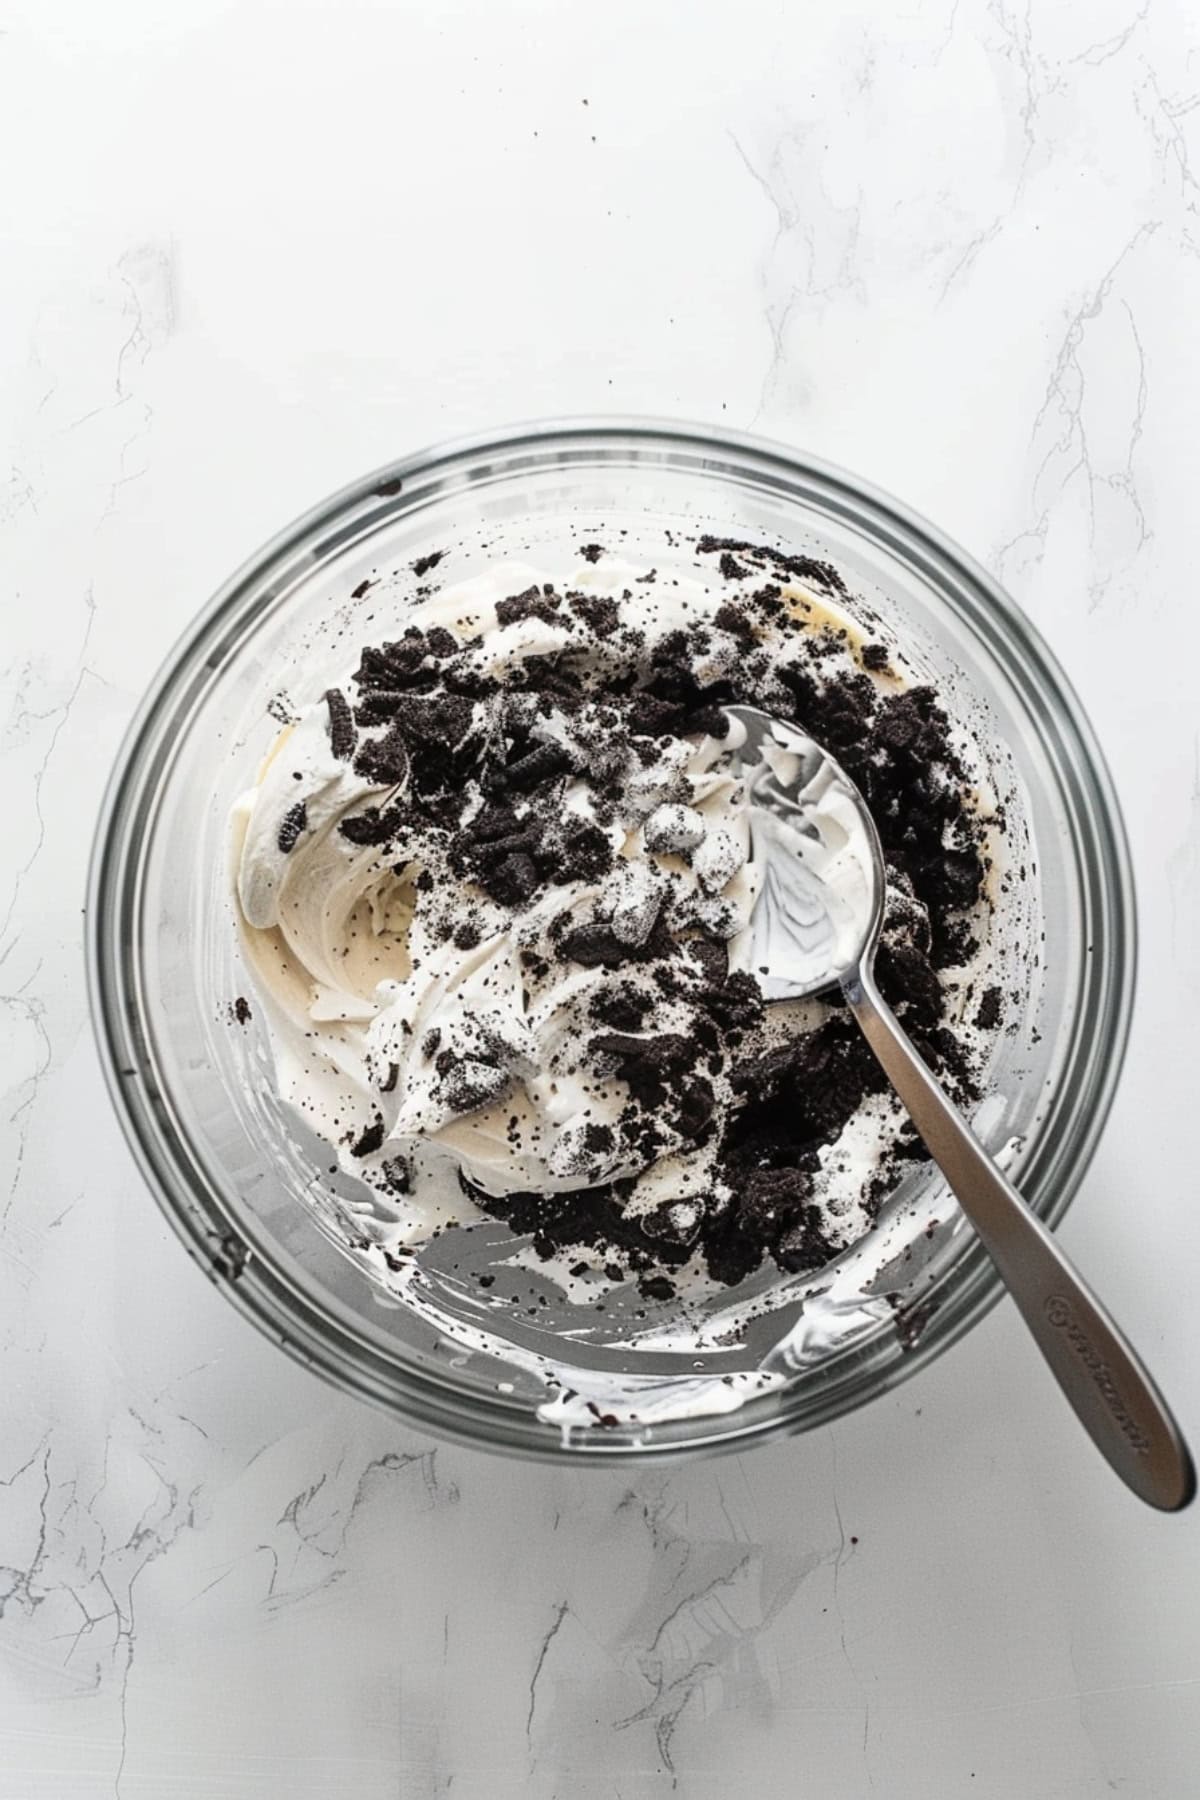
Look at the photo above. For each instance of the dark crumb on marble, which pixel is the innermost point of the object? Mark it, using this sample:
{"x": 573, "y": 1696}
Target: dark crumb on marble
{"x": 591, "y": 552}
{"x": 423, "y": 564}
{"x": 356, "y": 593}
{"x": 240, "y": 1010}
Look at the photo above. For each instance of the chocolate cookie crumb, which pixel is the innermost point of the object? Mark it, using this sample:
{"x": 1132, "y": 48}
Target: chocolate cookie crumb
{"x": 371, "y": 826}
{"x": 737, "y": 623}
{"x": 423, "y": 564}
{"x": 384, "y": 760}
{"x": 598, "y": 612}
{"x": 987, "y": 1016}
{"x": 342, "y": 735}
{"x": 656, "y": 1287}
{"x": 370, "y": 1140}
{"x": 532, "y": 604}
{"x": 802, "y": 568}
{"x": 280, "y": 708}
{"x": 472, "y": 1083}
{"x": 294, "y": 821}
{"x": 397, "y": 1172}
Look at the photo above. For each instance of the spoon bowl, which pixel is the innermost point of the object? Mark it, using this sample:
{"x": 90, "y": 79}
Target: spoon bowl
{"x": 820, "y": 907}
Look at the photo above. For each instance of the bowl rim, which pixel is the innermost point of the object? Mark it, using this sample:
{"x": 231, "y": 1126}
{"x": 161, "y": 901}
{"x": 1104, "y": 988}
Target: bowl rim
{"x": 272, "y": 1302}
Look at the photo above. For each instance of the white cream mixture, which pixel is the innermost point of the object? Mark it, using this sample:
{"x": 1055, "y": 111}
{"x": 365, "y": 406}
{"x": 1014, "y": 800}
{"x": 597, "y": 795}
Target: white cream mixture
{"x": 390, "y": 1034}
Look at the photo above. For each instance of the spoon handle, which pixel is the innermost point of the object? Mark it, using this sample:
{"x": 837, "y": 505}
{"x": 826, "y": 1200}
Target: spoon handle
{"x": 1098, "y": 1371}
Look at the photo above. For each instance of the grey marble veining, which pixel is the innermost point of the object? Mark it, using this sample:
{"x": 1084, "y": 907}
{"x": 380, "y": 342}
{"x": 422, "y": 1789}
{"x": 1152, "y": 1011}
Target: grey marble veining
{"x": 956, "y": 248}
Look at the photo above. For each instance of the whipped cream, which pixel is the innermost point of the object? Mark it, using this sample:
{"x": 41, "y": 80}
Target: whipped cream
{"x": 370, "y": 998}
{"x": 503, "y": 920}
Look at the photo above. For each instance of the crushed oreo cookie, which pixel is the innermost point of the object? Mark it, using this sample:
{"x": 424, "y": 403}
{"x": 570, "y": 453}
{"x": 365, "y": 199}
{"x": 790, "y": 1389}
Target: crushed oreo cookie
{"x": 342, "y": 735}
{"x": 764, "y": 556}
{"x": 990, "y": 1009}
{"x": 291, "y": 826}
{"x": 370, "y": 1140}
{"x": 534, "y": 790}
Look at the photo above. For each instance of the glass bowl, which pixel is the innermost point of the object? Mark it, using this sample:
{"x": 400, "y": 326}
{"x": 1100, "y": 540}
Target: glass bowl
{"x": 253, "y": 1198}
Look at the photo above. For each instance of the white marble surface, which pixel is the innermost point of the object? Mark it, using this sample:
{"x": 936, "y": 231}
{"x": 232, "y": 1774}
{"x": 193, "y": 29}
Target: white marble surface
{"x": 254, "y": 248}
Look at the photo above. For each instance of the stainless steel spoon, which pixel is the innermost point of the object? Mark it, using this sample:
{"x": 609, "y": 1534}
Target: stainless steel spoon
{"x": 815, "y": 925}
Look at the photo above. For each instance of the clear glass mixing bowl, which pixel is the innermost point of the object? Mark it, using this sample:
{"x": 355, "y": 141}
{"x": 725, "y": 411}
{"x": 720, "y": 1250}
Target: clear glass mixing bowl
{"x": 253, "y": 1198}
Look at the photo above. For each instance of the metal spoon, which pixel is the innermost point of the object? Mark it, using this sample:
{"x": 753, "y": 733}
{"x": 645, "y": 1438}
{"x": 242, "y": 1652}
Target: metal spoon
{"x": 815, "y": 925}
